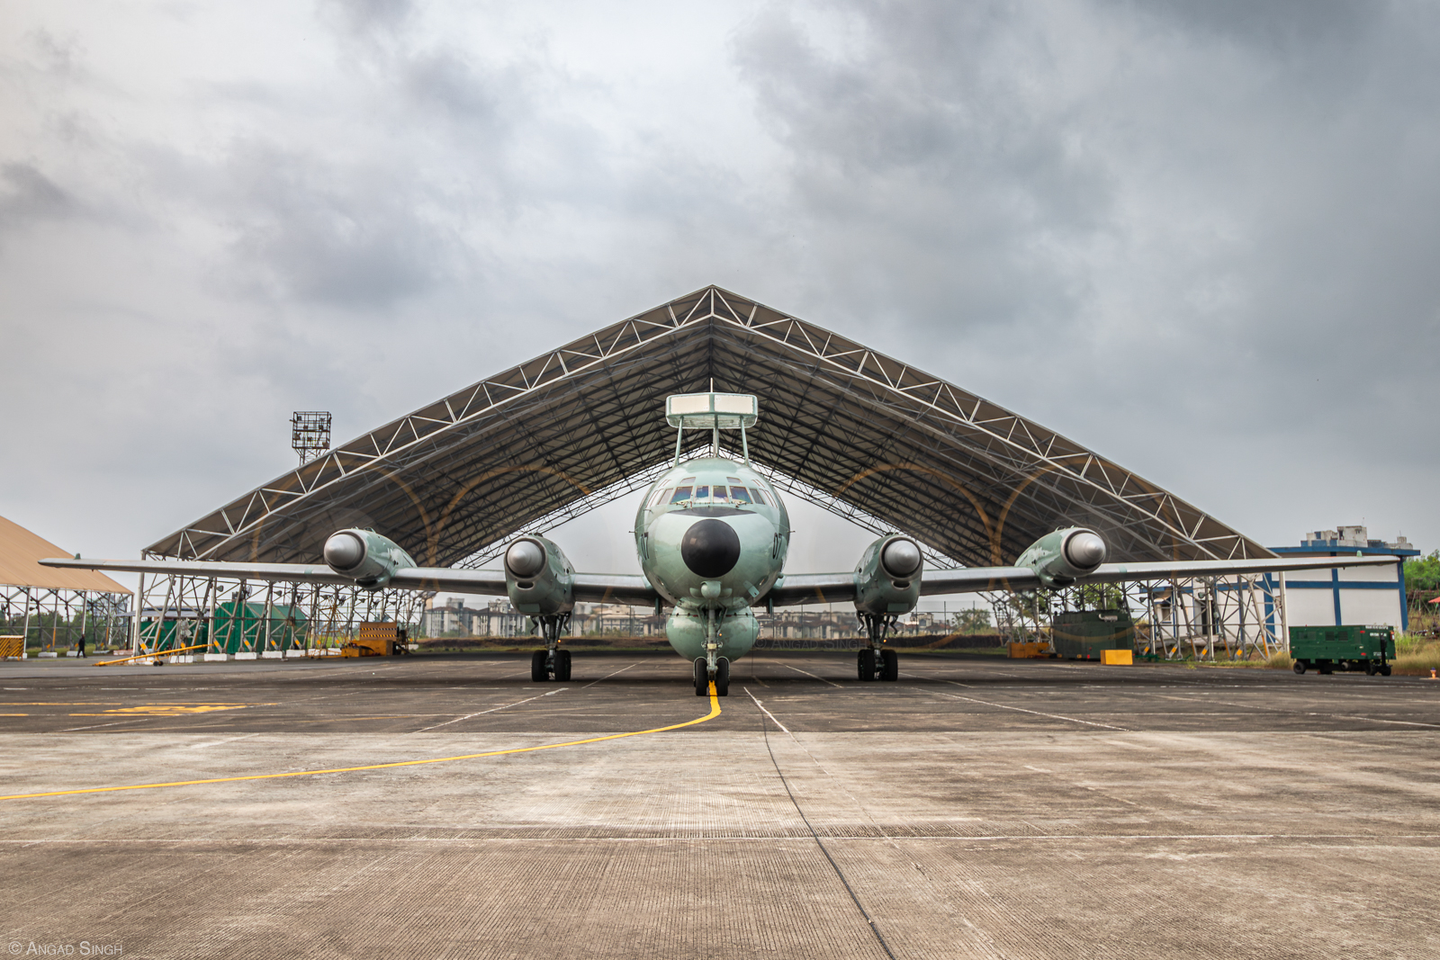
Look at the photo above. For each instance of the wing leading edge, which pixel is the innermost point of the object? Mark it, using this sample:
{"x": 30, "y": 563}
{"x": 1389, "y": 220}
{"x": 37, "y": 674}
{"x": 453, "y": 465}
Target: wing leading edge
{"x": 803, "y": 588}
{"x": 588, "y": 587}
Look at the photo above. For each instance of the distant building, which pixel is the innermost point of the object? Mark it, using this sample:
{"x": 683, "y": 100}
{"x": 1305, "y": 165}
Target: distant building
{"x": 1359, "y": 595}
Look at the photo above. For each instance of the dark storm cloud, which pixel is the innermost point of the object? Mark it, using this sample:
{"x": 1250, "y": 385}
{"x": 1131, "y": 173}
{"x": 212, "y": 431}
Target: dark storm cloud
{"x": 1278, "y": 24}
{"x": 26, "y": 194}
{"x": 1230, "y": 205}
{"x": 354, "y": 238}
{"x": 920, "y": 168}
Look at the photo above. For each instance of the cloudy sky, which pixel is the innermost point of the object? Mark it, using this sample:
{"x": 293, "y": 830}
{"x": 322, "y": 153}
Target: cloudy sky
{"x": 1200, "y": 238}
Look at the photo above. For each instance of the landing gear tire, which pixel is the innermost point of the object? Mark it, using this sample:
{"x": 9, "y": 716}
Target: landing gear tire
{"x": 889, "y": 665}
{"x": 1325, "y": 668}
{"x": 1299, "y": 666}
{"x": 538, "y": 673}
{"x": 562, "y": 665}
{"x": 701, "y": 677}
{"x": 1385, "y": 670}
{"x": 1371, "y": 668}
{"x": 865, "y": 664}
{"x": 722, "y": 677}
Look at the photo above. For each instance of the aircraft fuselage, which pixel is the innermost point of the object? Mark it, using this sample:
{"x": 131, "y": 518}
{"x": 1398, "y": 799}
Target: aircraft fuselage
{"x": 712, "y": 535}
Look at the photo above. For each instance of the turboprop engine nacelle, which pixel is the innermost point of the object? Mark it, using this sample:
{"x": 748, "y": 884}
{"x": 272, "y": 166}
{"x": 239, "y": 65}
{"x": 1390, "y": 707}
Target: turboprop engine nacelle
{"x": 1059, "y": 558}
{"x": 365, "y": 556}
{"x": 538, "y": 577}
{"x": 887, "y": 578}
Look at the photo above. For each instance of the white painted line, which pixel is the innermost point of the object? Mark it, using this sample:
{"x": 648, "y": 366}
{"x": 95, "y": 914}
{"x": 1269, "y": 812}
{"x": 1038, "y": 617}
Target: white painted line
{"x": 767, "y": 712}
{"x": 916, "y": 676}
{"x": 1052, "y": 716}
{"x": 1406, "y": 723}
{"x": 216, "y": 743}
{"x": 806, "y": 672}
{"x": 483, "y": 712}
{"x": 609, "y": 675}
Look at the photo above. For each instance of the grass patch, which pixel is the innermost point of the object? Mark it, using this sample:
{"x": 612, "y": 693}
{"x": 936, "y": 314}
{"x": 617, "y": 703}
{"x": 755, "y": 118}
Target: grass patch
{"x": 1279, "y": 660}
{"x": 1416, "y": 656}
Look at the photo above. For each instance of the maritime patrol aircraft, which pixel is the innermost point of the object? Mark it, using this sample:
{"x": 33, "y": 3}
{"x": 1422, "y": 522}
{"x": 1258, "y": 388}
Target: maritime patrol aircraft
{"x": 712, "y": 534}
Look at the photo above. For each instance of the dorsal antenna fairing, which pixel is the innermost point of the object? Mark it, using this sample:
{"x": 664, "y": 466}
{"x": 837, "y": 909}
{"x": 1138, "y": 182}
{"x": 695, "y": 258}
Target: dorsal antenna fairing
{"x": 714, "y": 412}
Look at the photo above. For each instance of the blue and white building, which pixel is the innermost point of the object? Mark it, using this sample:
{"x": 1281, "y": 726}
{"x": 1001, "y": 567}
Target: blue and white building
{"x": 1358, "y": 595}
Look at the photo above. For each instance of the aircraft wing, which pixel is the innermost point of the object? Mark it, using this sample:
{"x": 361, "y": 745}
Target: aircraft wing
{"x": 1166, "y": 569}
{"x": 628, "y": 588}
{"x": 797, "y": 588}
{"x": 299, "y": 572}
{"x": 801, "y": 588}
{"x": 589, "y": 587}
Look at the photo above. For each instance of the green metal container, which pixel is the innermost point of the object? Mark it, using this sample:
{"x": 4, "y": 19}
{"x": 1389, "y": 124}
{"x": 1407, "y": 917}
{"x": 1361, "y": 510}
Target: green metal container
{"x": 1082, "y": 634}
{"x": 239, "y": 628}
{"x": 1351, "y": 647}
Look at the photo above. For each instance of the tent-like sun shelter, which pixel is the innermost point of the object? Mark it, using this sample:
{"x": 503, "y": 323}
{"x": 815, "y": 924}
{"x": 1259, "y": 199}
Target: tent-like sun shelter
{"x": 52, "y": 608}
{"x": 869, "y": 437}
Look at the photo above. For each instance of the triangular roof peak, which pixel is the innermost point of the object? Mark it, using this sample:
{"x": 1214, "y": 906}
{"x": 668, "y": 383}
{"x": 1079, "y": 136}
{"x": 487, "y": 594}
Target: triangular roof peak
{"x": 20, "y": 551}
{"x": 863, "y": 434}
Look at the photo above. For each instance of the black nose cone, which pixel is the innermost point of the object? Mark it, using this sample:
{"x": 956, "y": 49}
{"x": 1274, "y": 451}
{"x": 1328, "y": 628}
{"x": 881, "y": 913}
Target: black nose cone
{"x": 710, "y": 548}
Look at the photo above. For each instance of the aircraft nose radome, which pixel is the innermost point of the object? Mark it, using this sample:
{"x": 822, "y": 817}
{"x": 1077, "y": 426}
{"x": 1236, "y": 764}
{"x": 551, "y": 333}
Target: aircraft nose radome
{"x": 344, "y": 551}
{"x": 901, "y": 558}
{"x": 710, "y": 548}
{"x": 525, "y": 558}
{"x": 1085, "y": 550}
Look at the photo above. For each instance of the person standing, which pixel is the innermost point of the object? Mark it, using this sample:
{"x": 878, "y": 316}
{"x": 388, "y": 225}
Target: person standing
{"x": 82, "y": 645}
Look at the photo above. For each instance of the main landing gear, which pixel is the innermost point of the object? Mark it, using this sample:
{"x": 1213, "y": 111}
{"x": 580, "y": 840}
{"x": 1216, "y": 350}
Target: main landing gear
{"x": 551, "y": 660}
{"x": 876, "y": 662}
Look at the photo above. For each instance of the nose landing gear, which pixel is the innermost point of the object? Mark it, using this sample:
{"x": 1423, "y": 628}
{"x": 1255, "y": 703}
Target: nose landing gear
{"x": 703, "y": 677}
{"x": 876, "y": 662}
{"x": 551, "y": 660}
{"x": 712, "y": 668}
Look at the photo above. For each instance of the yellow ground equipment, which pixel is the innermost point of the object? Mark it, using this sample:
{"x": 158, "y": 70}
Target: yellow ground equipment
{"x": 1032, "y": 650}
{"x": 1117, "y": 657}
{"x": 377, "y": 640}
{"x": 12, "y": 647}
{"x": 157, "y": 655}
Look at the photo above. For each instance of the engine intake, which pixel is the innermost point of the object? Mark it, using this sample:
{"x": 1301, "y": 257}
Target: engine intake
{"x": 366, "y": 557}
{"x": 887, "y": 578}
{"x": 538, "y": 577}
{"x": 1062, "y": 557}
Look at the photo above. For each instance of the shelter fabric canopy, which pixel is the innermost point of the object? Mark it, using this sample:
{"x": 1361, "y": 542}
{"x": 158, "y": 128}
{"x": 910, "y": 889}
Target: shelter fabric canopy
{"x": 19, "y": 552}
{"x": 862, "y": 434}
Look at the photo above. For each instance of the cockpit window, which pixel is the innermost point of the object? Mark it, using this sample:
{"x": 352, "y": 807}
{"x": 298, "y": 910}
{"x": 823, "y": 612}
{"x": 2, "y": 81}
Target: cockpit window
{"x": 738, "y": 493}
{"x": 680, "y": 494}
{"x": 702, "y": 492}
{"x": 659, "y": 497}
{"x": 718, "y": 494}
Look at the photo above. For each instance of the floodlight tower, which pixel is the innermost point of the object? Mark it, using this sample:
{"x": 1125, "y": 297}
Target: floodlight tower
{"x": 310, "y": 434}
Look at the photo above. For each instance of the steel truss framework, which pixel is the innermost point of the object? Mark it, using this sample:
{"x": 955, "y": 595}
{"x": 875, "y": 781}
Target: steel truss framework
{"x": 54, "y": 619}
{"x": 861, "y": 434}
{"x": 292, "y": 619}
{"x": 1201, "y": 618}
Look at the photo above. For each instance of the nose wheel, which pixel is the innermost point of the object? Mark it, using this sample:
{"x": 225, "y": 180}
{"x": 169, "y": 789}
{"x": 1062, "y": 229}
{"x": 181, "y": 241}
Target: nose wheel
{"x": 874, "y": 662}
{"x": 703, "y": 677}
{"x": 552, "y": 661}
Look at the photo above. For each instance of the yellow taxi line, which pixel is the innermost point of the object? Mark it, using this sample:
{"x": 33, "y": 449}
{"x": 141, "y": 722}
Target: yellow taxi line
{"x": 714, "y": 712}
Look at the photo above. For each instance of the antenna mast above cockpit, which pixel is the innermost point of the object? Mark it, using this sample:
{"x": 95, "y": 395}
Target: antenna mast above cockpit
{"x": 715, "y": 412}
